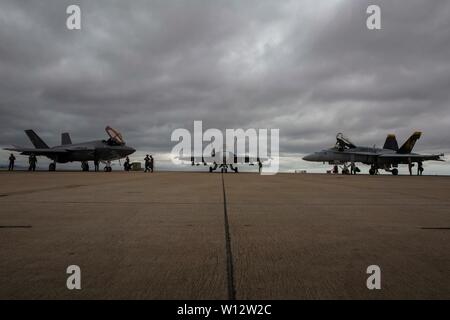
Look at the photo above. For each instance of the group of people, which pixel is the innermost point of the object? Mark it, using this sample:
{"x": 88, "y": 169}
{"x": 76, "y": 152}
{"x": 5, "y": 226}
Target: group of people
{"x": 32, "y": 160}
{"x": 419, "y": 168}
{"x": 345, "y": 169}
{"x": 149, "y": 163}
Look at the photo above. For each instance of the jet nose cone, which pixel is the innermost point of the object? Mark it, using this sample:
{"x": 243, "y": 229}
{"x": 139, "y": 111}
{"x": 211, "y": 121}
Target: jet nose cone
{"x": 131, "y": 150}
{"x": 308, "y": 157}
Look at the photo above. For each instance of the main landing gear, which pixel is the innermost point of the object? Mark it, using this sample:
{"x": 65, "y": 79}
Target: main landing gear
{"x": 373, "y": 170}
{"x": 223, "y": 168}
{"x": 107, "y": 167}
{"x": 52, "y": 167}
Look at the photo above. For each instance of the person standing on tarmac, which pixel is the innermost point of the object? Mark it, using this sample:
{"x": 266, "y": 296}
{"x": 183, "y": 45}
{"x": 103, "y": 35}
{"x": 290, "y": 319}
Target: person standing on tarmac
{"x": 352, "y": 168}
{"x": 11, "y": 162}
{"x": 147, "y": 163}
{"x": 96, "y": 165}
{"x": 32, "y": 160}
{"x": 419, "y": 168}
{"x": 127, "y": 165}
{"x": 151, "y": 163}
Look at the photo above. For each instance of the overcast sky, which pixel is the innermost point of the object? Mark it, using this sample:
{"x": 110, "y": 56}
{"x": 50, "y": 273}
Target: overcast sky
{"x": 309, "y": 68}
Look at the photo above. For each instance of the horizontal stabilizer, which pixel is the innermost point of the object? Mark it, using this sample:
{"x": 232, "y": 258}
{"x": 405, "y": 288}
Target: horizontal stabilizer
{"x": 37, "y": 152}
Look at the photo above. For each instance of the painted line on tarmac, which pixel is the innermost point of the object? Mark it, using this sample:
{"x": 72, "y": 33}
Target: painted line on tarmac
{"x": 15, "y": 227}
{"x": 229, "y": 253}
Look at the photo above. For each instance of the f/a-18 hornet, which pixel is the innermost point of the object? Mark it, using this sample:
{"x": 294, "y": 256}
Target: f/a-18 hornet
{"x": 387, "y": 158}
{"x": 108, "y": 150}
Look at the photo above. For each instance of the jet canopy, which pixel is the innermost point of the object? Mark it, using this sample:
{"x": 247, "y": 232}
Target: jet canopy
{"x": 343, "y": 142}
{"x": 115, "y": 137}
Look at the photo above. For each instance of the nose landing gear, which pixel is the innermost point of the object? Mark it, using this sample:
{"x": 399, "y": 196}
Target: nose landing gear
{"x": 108, "y": 167}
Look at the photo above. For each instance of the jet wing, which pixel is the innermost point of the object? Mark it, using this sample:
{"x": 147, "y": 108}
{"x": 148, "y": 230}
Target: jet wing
{"x": 78, "y": 148}
{"x": 36, "y": 152}
{"x": 249, "y": 159}
{"x": 198, "y": 159}
{"x": 186, "y": 158}
{"x": 361, "y": 153}
{"x": 413, "y": 157}
{"x": 211, "y": 159}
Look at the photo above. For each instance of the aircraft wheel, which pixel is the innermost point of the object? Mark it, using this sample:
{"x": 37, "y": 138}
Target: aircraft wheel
{"x": 395, "y": 172}
{"x": 210, "y": 169}
{"x": 372, "y": 171}
{"x": 52, "y": 167}
{"x": 236, "y": 170}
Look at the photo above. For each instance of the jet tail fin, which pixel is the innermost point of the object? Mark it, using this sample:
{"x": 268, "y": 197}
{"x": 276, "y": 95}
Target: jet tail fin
{"x": 408, "y": 146}
{"x": 36, "y": 140}
{"x": 65, "y": 139}
{"x": 391, "y": 142}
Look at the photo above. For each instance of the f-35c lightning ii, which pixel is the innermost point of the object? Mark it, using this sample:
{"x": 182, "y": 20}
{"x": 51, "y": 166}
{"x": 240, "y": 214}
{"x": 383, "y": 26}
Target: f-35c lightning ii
{"x": 113, "y": 148}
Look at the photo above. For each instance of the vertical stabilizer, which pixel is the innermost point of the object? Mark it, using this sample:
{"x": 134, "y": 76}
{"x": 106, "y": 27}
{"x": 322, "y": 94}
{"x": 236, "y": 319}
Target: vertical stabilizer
{"x": 65, "y": 139}
{"x": 37, "y": 142}
{"x": 391, "y": 142}
{"x": 408, "y": 146}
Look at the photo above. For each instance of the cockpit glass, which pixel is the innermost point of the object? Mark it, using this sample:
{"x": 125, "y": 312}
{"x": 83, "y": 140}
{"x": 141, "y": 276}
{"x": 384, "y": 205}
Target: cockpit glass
{"x": 115, "y": 136}
{"x": 343, "y": 142}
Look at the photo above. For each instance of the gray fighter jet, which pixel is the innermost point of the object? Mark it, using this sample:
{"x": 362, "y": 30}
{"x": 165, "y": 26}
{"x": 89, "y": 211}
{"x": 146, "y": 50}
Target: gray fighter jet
{"x": 387, "y": 158}
{"x": 108, "y": 150}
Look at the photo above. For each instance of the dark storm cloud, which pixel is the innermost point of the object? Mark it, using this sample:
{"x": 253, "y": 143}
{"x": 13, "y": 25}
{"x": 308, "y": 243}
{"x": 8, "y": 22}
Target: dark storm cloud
{"x": 309, "y": 68}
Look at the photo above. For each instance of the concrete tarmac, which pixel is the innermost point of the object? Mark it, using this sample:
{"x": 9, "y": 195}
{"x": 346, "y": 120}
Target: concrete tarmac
{"x": 171, "y": 235}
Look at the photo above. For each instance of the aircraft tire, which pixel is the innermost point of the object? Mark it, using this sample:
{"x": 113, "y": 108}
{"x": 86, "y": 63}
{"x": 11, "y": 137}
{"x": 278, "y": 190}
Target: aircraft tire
{"x": 395, "y": 172}
{"x": 52, "y": 167}
{"x": 372, "y": 171}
